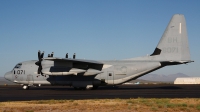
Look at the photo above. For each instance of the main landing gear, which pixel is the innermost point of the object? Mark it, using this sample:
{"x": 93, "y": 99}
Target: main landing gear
{"x": 25, "y": 87}
{"x": 86, "y": 88}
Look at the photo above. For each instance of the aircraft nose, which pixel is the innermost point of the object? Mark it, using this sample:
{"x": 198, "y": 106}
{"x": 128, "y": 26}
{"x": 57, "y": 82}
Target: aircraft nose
{"x": 8, "y": 76}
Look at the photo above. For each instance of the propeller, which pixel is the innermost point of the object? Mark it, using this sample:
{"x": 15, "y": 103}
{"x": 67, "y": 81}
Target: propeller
{"x": 38, "y": 63}
{"x": 66, "y": 55}
{"x": 52, "y": 54}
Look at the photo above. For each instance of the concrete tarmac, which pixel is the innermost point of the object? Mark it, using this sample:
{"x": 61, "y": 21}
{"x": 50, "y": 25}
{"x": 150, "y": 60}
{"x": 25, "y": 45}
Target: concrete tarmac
{"x": 16, "y": 93}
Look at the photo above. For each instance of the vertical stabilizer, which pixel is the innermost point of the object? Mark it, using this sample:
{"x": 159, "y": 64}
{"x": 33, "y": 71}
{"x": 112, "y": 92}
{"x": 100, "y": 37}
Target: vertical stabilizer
{"x": 173, "y": 45}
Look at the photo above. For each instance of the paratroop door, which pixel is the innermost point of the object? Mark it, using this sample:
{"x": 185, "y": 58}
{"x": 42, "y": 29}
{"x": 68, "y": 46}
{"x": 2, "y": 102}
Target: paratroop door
{"x": 110, "y": 77}
{"x": 30, "y": 79}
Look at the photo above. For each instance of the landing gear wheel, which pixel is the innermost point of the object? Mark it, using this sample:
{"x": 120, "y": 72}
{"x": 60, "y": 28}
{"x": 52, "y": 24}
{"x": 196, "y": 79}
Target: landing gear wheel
{"x": 25, "y": 87}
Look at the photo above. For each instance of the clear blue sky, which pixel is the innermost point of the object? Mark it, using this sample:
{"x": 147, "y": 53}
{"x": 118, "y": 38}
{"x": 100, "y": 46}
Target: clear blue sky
{"x": 99, "y": 30}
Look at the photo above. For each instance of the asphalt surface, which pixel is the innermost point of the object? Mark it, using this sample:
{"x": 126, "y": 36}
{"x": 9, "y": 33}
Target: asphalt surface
{"x": 16, "y": 93}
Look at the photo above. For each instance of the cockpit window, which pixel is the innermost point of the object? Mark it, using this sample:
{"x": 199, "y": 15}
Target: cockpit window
{"x": 18, "y": 65}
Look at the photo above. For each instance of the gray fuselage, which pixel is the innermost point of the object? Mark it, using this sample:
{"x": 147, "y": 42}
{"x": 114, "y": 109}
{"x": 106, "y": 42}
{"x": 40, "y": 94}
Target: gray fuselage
{"x": 113, "y": 73}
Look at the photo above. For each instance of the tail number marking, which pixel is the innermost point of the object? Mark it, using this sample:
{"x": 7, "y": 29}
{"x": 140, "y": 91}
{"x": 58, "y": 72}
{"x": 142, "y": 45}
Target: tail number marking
{"x": 172, "y": 40}
{"x": 20, "y": 71}
{"x": 170, "y": 49}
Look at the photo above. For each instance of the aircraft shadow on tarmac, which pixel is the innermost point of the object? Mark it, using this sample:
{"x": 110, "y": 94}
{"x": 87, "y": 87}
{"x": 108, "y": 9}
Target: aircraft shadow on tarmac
{"x": 121, "y": 91}
{"x": 63, "y": 88}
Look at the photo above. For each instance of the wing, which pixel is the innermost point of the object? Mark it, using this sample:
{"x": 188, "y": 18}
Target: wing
{"x": 68, "y": 66}
{"x": 72, "y": 60}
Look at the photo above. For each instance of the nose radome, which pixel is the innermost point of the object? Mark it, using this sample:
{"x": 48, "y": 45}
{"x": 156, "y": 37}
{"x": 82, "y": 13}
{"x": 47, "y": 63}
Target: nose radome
{"x": 8, "y": 76}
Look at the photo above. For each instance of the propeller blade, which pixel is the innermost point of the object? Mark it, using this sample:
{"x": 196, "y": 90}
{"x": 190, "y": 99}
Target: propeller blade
{"x": 39, "y": 55}
{"x": 52, "y": 54}
{"x": 66, "y": 55}
{"x": 38, "y": 63}
{"x": 42, "y": 54}
{"x": 74, "y": 56}
{"x": 39, "y": 69}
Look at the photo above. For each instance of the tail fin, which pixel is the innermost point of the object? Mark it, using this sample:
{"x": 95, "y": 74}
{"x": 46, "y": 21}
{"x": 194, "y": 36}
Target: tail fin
{"x": 173, "y": 45}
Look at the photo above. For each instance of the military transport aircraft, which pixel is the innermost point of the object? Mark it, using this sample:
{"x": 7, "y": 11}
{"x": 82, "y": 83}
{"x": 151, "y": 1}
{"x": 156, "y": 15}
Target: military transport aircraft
{"x": 173, "y": 49}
